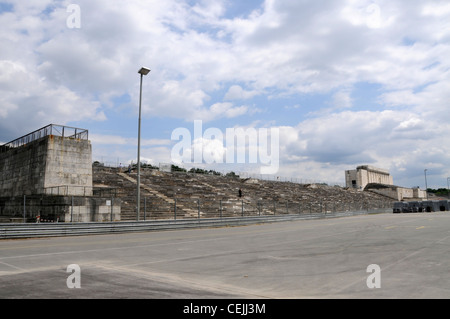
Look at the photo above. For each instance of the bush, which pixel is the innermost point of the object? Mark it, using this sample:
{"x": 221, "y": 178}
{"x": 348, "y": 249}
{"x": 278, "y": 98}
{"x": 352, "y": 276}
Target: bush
{"x": 203, "y": 171}
{"x": 175, "y": 168}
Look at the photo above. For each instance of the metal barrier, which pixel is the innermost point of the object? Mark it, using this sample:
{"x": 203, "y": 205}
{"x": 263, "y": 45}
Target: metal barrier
{"x": 52, "y": 129}
{"x": 153, "y": 207}
{"x": 11, "y": 231}
{"x": 66, "y": 190}
{"x": 426, "y": 206}
{"x": 52, "y": 208}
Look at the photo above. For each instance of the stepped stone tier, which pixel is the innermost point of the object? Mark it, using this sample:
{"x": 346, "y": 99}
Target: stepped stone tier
{"x": 169, "y": 195}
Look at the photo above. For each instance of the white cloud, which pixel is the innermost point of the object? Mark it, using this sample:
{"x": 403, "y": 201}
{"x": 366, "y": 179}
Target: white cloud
{"x": 437, "y": 9}
{"x": 236, "y": 92}
{"x": 33, "y": 103}
{"x": 343, "y": 99}
{"x": 368, "y": 14}
{"x": 324, "y": 147}
{"x": 218, "y": 110}
{"x": 205, "y": 64}
{"x": 267, "y": 50}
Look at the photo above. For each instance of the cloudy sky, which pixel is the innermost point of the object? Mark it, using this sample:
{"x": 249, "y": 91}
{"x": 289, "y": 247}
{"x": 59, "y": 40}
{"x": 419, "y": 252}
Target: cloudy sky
{"x": 346, "y": 83}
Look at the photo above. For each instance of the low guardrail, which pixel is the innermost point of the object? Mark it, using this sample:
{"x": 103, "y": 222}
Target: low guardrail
{"x": 40, "y": 230}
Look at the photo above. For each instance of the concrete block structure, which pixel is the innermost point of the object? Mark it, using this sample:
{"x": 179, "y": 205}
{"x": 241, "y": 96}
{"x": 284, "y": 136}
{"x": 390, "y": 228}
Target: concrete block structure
{"x": 366, "y": 174}
{"x": 45, "y": 163}
{"x": 45, "y": 170}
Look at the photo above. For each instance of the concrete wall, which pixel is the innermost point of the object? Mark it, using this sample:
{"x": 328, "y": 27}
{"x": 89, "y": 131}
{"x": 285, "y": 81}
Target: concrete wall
{"x": 93, "y": 210}
{"x": 351, "y": 178}
{"x": 405, "y": 193}
{"x": 399, "y": 193}
{"x": 60, "y": 208}
{"x": 418, "y": 193}
{"x": 22, "y": 169}
{"x": 49, "y": 165}
{"x": 69, "y": 163}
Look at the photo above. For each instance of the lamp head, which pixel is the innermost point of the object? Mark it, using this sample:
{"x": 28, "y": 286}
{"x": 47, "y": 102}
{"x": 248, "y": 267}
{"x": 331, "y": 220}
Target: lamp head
{"x": 144, "y": 71}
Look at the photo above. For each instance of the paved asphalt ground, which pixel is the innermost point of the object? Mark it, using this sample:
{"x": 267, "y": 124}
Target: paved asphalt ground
{"x": 301, "y": 259}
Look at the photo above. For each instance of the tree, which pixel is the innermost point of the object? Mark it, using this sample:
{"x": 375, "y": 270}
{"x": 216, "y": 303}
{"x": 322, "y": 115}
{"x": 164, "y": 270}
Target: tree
{"x": 438, "y": 192}
{"x": 232, "y": 175}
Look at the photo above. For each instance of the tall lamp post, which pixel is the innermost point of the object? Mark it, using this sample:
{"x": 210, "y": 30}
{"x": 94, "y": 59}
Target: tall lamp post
{"x": 448, "y": 187}
{"x": 143, "y": 71}
{"x": 426, "y": 184}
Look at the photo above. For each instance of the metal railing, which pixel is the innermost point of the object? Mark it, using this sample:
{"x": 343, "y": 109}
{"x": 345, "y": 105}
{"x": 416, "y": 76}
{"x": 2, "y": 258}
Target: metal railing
{"x": 189, "y": 208}
{"x": 52, "y": 209}
{"x": 52, "y": 129}
{"x": 10, "y": 231}
{"x": 67, "y": 190}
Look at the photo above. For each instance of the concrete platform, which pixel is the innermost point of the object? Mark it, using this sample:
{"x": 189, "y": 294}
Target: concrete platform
{"x": 292, "y": 260}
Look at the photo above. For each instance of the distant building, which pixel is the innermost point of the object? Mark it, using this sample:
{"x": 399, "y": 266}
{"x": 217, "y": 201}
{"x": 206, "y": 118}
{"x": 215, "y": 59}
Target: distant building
{"x": 380, "y": 181}
{"x": 366, "y": 174}
{"x": 397, "y": 192}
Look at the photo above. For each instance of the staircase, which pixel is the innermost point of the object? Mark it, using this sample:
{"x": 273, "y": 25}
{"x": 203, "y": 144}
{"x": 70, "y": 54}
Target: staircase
{"x": 154, "y": 194}
{"x": 198, "y": 195}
